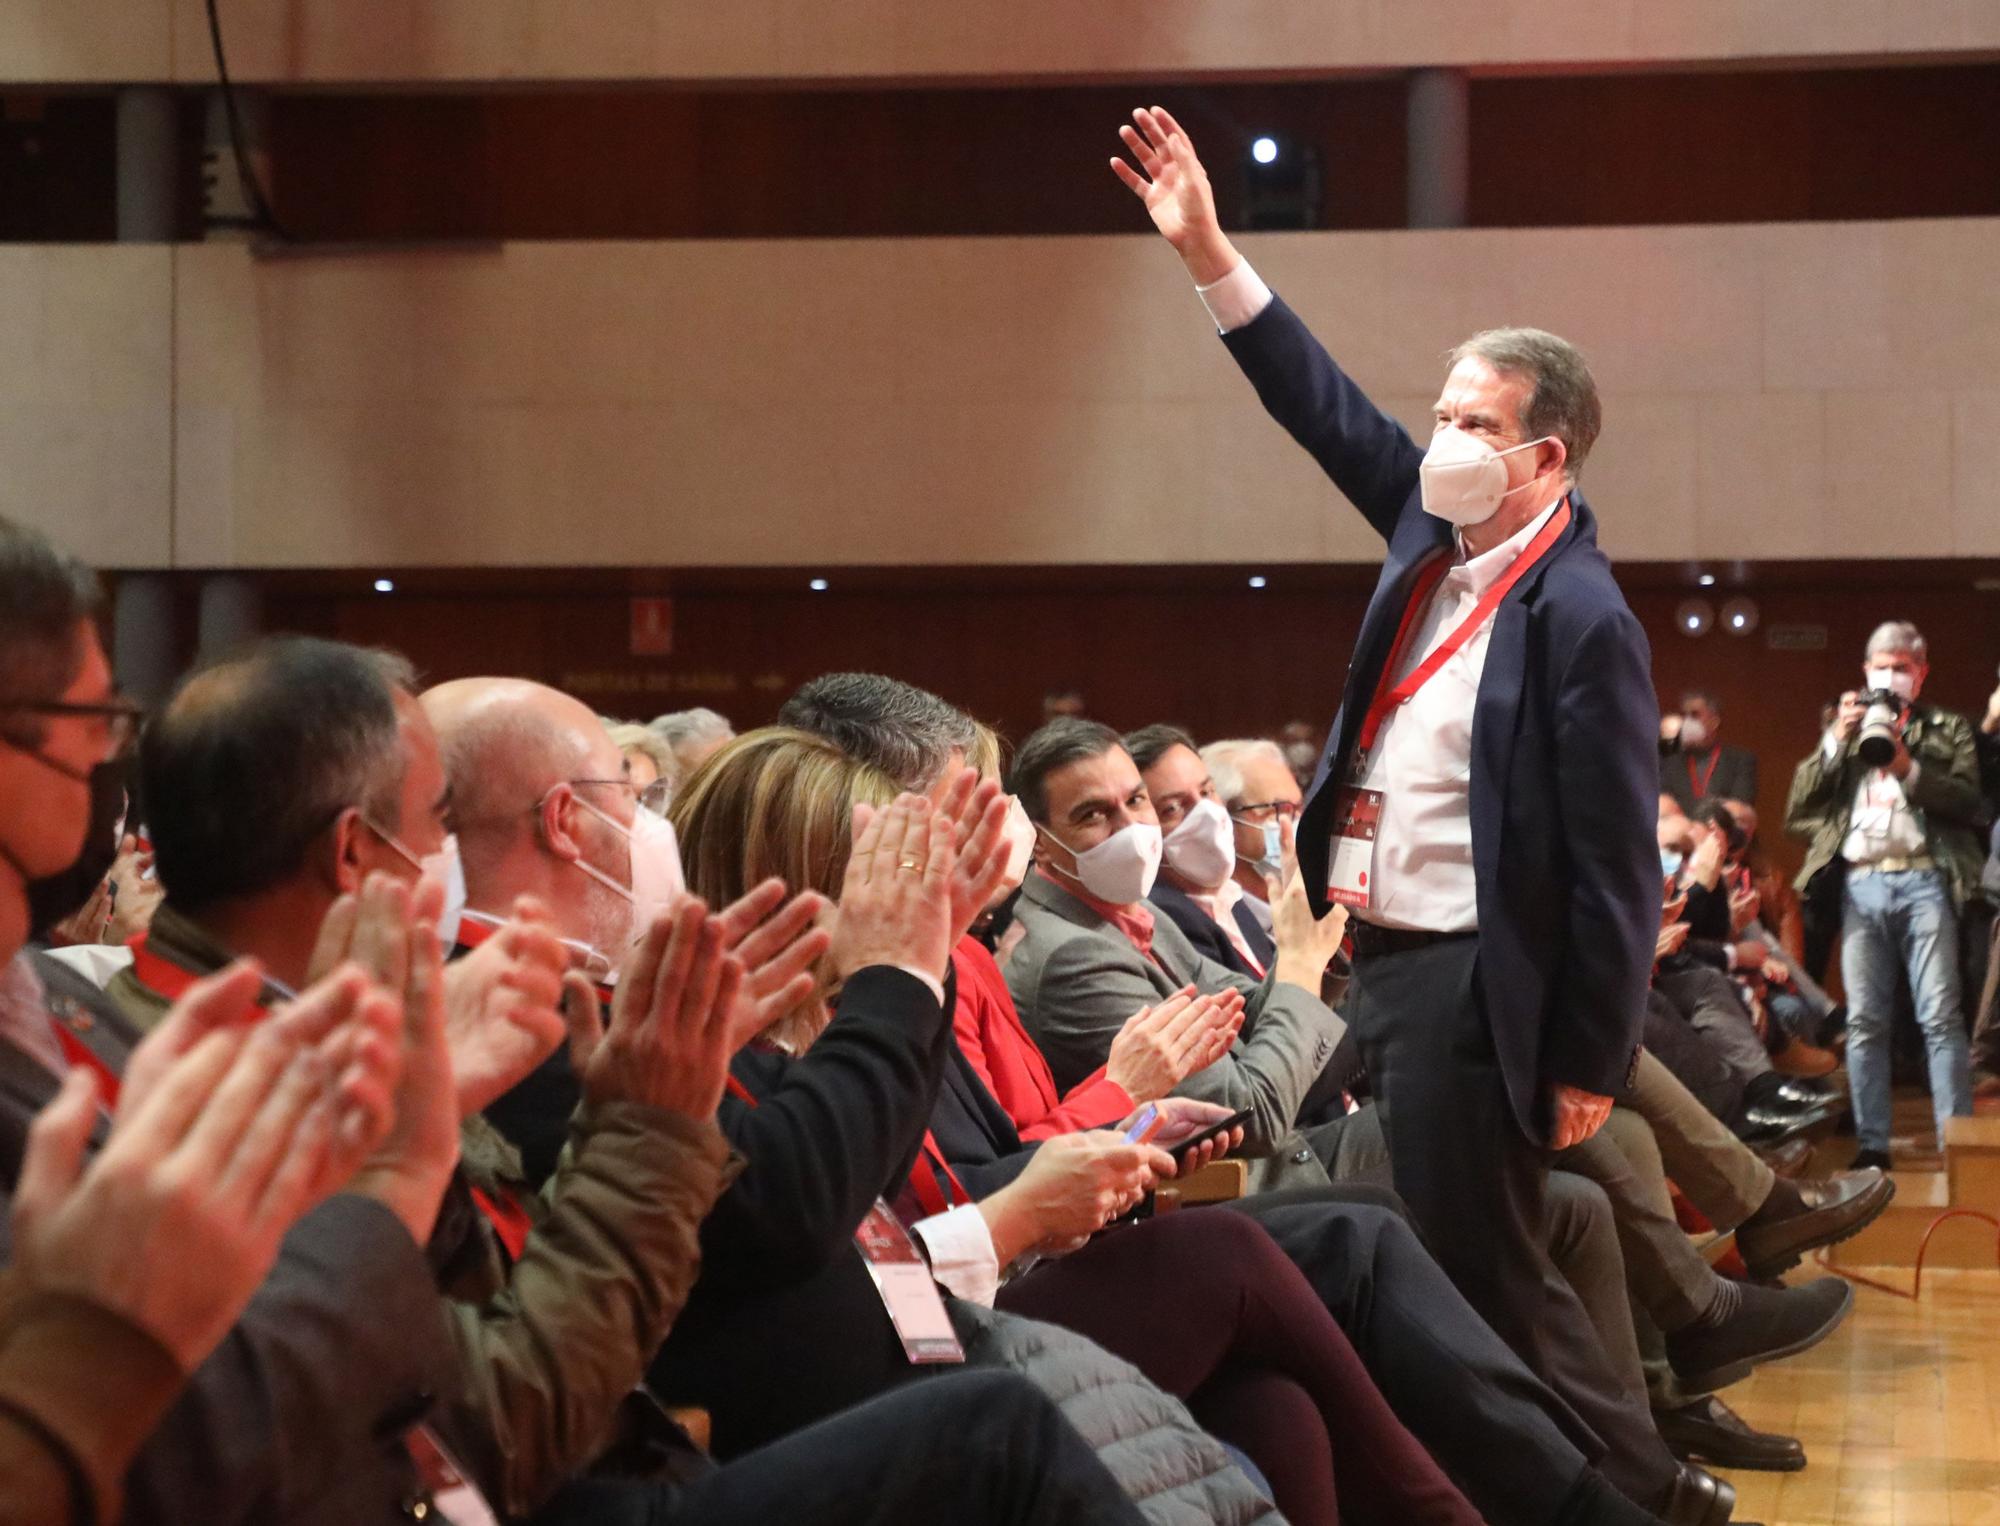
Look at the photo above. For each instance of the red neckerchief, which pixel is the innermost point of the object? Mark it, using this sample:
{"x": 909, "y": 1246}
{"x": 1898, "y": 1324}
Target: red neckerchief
{"x": 1389, "y": 698}
{"x": 1134, "y": 921}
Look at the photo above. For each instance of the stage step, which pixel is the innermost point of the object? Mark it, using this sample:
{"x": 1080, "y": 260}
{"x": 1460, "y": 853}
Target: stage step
{"x": 1892, "y": 1240}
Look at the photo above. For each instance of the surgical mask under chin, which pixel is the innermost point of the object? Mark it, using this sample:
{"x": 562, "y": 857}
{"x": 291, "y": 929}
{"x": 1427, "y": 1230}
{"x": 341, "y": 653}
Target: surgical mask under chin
{"x": 1203, "y": 846}
{"x": 1122, "y": 868}
{"x": 448, "y": 869}
{"x": 1272, "y": 862}
{"x": 1020, "y": 834}
{"x": 657, "y": 881}
{"x": 1898, "y": 682}
{"x": 1463, "y": 479}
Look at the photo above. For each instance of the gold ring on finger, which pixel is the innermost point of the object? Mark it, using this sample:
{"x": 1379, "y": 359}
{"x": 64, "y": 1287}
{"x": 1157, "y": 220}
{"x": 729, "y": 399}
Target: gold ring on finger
{"x": 909, "y": 864}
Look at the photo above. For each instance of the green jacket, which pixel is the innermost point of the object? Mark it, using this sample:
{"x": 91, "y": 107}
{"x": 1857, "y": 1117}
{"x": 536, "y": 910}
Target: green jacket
{"x": 551, "y": 1347}
{"x": 1945, "y": 798}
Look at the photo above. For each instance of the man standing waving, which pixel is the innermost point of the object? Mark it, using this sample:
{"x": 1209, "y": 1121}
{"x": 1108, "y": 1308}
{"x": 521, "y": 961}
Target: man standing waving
{"x": 1485, "y": 805}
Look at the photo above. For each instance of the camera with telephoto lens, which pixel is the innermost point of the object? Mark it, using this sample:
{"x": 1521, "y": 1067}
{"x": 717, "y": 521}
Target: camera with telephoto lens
{"x": 1881, "y": 725}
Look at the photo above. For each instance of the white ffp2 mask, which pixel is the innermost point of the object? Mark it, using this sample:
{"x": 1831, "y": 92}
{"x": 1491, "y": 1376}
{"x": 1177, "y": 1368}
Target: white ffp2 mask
{"x": 1122, "y": 868}
{"x": 1203, "y": 846}
{"x": 1463, "y": 478}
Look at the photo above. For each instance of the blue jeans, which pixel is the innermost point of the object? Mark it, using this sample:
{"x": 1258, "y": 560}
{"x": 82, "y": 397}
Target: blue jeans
{"x": 1904, "y": 917}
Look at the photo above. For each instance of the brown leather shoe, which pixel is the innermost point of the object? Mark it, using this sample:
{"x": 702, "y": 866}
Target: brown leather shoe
{"x": 1834, "y": 1210}
{"x": 1798, "y": 1058}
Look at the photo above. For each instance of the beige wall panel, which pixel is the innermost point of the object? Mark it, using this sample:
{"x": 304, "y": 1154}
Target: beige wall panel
{"x": 1975, "y": 473}
{"x": 85, "y": 397}
{"x": 1043, "y": 400}
{"x": 51, "y": 41}
{"x": 799, "y": 39}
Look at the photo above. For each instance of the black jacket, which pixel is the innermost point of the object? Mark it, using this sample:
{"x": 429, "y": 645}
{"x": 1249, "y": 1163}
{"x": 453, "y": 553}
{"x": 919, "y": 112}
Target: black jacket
{"x": 1210, "y": 940}
{"x": 785, "y": 1326}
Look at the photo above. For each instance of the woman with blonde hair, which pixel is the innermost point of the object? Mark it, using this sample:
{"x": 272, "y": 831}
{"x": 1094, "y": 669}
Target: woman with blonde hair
{"x": 839, "y": 1123}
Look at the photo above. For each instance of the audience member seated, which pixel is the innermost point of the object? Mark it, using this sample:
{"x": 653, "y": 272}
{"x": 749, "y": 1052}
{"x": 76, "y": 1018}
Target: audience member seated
{"x": 1093, "y": 953}
{"x": 1891, "y": 800}
{"x": 1806, "y": 1017}
{"x": 1197, "y": 888}
{"x": 693, "y": 735}
{"x": 1695, "y": 763}
{"x": 1263, "y": 799}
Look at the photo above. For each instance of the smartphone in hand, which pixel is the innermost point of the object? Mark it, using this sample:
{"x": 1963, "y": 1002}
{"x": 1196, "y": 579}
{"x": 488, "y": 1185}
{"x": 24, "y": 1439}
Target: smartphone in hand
{"x": 1213, "y": 1131}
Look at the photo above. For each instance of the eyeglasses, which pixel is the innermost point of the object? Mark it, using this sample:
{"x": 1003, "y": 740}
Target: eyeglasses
{"x": 1279, "y": 810}
{"x": 120, "y": 716}
{"x": 653, "y": 797}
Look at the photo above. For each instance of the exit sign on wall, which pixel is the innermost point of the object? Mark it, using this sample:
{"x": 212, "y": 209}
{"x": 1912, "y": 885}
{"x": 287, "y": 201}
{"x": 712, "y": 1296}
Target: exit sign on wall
{"x": 652, "y": 627}
{"x": 1795, "y": 638}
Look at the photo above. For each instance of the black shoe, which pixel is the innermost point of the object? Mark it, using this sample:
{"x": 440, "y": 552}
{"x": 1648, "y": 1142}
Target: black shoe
{"x": 1696, "y": 1498}
{"x": 1827, "y": 1213}
{"x": 1869, "y": 1160}
{"x": 1831, "y": 1026}
{"x": 1768, "y": 1125}
{"x": 1764, "y": 1325}
{"x": 1710, "y": 1431}
{"x": 1803, "y": 1091}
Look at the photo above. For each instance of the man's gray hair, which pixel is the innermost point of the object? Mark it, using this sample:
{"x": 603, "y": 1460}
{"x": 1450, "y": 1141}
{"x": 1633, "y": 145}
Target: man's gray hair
{"x": 1562, "y": 400}
{"x": 1898, "y": 636}
{"x": 699, "y": 725}
{"x": 907, "y": 732}
{"x": 1225, "y": 762}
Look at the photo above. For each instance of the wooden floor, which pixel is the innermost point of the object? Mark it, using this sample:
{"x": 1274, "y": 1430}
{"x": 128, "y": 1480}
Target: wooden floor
{"x": 1899, "y": 1412}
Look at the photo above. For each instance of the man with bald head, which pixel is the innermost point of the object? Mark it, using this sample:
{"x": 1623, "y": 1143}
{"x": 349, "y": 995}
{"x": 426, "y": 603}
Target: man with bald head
{"x": 543, "y": 806}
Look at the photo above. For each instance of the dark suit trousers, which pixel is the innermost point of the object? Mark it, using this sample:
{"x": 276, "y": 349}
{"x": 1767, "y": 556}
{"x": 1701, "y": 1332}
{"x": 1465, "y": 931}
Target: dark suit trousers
{"x": 975, "y": 1448}
{"x": 1478, "y": 1188}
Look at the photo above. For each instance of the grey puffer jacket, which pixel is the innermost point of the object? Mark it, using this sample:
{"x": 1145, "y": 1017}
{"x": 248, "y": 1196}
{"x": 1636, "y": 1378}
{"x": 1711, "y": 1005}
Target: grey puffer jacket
{"x": 1175, "y": 1472}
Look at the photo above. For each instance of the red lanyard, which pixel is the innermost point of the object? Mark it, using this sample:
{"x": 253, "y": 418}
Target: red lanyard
{"x": 1700, "y": 786}
{"x": 1388, "y": 699}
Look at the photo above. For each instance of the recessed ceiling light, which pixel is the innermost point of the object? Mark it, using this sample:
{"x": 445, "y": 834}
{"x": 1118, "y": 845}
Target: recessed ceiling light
{"x": 383, "y": 585}
{"x": 1257, "y": 580}
{"x": 1265, "y": 150}
{"x": 818, "y": 585}
{"x": 1707, "y": 580}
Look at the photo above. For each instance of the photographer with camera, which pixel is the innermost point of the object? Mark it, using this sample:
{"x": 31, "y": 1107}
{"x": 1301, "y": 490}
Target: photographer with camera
{"x": 1889, "y": 798}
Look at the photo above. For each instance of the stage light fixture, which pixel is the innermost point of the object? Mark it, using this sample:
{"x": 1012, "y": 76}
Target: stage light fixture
{"x": 818, "y": 585}
{"x": 1257, "y": 580}
{"x": 1739, "y": 616}
{"x": 383, "y": 585}
{"x": 1695, "y": 617}
{"x": 1265, "y": 150}
{"x": 1281, "y": 183}
{"x": 1706, "y": 580}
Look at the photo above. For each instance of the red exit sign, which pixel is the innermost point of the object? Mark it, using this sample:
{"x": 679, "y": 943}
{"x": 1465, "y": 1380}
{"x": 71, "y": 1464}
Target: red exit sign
{"x": 652, "y": 627}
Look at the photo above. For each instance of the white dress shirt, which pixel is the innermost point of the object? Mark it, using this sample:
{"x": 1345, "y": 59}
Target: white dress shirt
{"x": 1421, "y": 876}
{"x": 1882, "y": 823}
{"x": 960, "y": 1247}
{"x": 1220, "y": 904}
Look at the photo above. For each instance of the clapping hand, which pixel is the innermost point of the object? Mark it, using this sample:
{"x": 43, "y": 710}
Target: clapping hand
{"x": 503, "y": 1012}
{"x": 1162, "y": 1045}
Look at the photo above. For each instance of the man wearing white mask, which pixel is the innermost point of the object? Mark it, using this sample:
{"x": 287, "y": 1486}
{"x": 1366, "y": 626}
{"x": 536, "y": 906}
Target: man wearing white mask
{"x": 1256, "y": 784}
{"x": 1486, "y": 801}
{"x": 1889, "y": 799}
{"x": 1197, "y": 886}
{"x": 1695, "y": 763}
{"x": 1092, "y": 952}
{"x": 543, "y": 807}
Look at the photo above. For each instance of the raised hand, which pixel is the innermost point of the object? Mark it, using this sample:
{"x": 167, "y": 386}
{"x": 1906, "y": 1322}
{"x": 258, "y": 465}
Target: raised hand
{"x": 1672, "y": 938}
{"x": 780, "y": 944}
{"x": 977, "y": 813}
{"x": 1306, "y": 944}
{"x": 503, "y": 1013}
{"x": 896, "y": 899}
{"x": 1162, "y": 1045}
{"x": 1175, "y": 189}
{"x": 178, "y": 1219}
{"x": 671, "y": 1036}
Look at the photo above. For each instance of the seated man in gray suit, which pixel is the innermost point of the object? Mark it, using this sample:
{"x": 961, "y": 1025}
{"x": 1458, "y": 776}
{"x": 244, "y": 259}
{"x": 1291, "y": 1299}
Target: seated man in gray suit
{"x": 1092, "y": 952}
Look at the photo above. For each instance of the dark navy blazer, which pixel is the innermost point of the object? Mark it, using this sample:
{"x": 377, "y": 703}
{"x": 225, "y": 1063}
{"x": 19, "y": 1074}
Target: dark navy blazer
{"x": 1564, "y": 755}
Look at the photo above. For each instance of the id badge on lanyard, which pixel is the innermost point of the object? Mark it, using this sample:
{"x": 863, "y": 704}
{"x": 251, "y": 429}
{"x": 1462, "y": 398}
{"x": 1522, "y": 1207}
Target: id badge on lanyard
{"x": 903, "y": 1278}
{"x": 1357, "y": 814}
